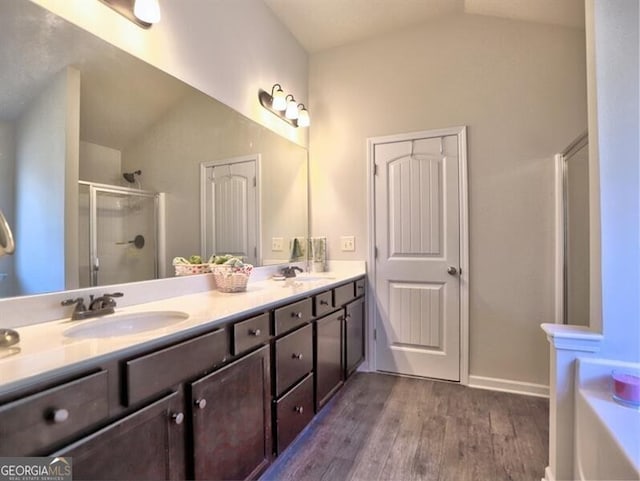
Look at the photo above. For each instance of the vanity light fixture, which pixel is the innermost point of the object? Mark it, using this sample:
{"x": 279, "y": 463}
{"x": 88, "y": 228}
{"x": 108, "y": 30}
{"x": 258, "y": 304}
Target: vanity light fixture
{"x": 143, "y": 13}
{"x": 279, "y": 100}
{"x": 284, "y": 106}
{"x": 303, "y": 116}
{"x": 147, "y": 10}
{"x": 292, "y": 108}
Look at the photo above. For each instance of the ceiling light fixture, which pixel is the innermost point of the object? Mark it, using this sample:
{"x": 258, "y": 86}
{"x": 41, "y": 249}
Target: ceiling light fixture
{"x": 143, "y": 13}
{"x": 284, "y": 106}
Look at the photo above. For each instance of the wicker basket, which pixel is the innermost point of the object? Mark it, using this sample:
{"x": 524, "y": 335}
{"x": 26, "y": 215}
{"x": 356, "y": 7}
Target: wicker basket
{"x": 190, "y": 269}
{"x": 231, "y": 279}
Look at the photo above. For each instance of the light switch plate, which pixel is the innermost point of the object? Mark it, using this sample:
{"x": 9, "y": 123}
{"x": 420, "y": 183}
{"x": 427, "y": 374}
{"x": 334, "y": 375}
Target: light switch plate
{"x": 277, "y": 244}
{"x": 347, "y": 243}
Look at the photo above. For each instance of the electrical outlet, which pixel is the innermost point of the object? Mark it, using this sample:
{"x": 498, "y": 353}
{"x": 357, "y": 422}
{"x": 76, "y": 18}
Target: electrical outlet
{"x": 277, "y": 244}
{"x": 347, "y": 243}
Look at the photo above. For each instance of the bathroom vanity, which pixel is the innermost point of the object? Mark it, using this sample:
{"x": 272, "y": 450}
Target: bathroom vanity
{"x": 217, "y": 396}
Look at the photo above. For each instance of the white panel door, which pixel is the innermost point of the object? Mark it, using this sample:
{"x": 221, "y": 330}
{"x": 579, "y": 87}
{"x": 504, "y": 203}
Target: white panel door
{"x": 417, "y": 237}
{"x": 230, "y": 210}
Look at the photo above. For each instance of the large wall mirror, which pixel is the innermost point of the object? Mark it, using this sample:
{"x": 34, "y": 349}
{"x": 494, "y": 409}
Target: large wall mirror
{"x": 110, "y": 168}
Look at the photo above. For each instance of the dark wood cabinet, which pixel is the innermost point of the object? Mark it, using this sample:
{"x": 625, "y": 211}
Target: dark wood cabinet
{"x": 147, "y": 445}
{"x": 34, "y": 423}
{"x": 354, "y": 328}
{"x": 293, "y": 358}
{"x": 328, "y": 356}
{"x": 148, "y": 375}
{"x": 213, "y": 405}
{"x": 322, "y": 303}
{"x": 251, "y": 333}
{"x": 231, "y": 418}
{"x": 291, "y": 316}
{"x": 343, "y": 294}
{"x": 294, "y": 411}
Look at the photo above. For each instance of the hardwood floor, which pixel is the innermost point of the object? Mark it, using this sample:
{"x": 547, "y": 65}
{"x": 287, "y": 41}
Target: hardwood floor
{"x": 381, "y": 427}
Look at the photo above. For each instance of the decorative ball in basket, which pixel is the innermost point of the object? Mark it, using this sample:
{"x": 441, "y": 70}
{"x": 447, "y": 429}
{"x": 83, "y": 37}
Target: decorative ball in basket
{"x": 230, "y": 273}
{"x": 190, "y": 266}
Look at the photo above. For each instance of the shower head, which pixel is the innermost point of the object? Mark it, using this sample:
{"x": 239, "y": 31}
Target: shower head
{"x": 130, "y": 176}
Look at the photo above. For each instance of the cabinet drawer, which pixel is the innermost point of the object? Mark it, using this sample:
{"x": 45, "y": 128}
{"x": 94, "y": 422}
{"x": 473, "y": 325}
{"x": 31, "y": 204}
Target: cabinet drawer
{"x": 322, "y": 304}
{"x": 250, "y": 333}
{"x": 360, "y": 287}
{"x": 343, "y": 294}
{"x": 293, "y": 412}
{"x": 30, "y": 424}
{"x": 293, "y": 315}
{"x": 293, "y": 354}
{"x": 155, "y": 372}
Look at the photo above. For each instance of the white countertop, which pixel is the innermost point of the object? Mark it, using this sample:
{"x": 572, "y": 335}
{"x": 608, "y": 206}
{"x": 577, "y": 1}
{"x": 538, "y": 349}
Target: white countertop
{"x": 44, "y": 350}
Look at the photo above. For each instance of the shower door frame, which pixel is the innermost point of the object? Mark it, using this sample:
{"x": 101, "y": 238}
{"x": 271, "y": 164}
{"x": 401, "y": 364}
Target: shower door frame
{"x": 94, "y": 188}
{"x": 561, "y": 226}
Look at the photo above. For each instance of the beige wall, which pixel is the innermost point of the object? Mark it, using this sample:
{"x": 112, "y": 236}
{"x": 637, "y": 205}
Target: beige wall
{"x": 199, "y": 130}
{"x": 7, "y": 164}
{"x": 226, "y": 48}
{"x": 46, "y": 173}
{"x": 520, "y": 89}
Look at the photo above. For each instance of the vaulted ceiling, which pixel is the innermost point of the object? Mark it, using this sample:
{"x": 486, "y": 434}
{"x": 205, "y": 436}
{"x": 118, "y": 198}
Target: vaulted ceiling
{"x": 323, "y": 24}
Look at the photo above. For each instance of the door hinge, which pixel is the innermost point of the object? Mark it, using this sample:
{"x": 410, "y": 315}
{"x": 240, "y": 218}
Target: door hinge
{"x": 375, "y": 252}
{"x": 375, "y": 169}
{"x": 375, "y": 334}
{"x": 255, "y": 182}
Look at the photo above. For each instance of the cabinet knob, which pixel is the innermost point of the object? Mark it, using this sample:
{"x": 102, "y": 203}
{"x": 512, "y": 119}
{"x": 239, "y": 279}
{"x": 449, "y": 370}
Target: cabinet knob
{"x": 324, "y": 303}
{"x": 200, "y": 403}
{"x": 296, "y": 355}
{"x": 298, "y": 409}
{"x": 297, "y": 314}
{"x": 58, "y": 416}
{"x": 347, "y": 317}
{"x": 177, "y": 418}
{"x": 255, "y": 332}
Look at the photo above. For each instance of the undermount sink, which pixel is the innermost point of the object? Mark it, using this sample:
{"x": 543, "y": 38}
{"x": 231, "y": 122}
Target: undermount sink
{"x": 125, "y": 324}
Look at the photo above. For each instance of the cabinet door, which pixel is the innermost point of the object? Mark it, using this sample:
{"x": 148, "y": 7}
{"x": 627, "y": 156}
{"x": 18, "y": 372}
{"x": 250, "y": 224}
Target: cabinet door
{"x": 354, "y": 335}
{"x": 232, "y": 420}
{"x": 148, "y": 444}
{"x": 329, "y": 370}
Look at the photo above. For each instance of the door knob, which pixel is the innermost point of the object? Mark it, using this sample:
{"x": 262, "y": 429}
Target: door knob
{"x": 452, "y": 271}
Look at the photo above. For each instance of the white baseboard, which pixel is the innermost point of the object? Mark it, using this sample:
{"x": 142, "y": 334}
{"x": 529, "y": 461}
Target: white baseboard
{"x": 548, "y": 475}
{"x": 507, "y": 385}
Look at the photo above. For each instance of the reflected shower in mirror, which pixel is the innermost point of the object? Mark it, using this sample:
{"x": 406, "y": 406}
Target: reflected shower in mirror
{"x": 78, "y": 113}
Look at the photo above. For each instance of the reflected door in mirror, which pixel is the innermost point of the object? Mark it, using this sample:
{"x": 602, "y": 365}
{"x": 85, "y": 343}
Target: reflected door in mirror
{"x": 230, "y": 208}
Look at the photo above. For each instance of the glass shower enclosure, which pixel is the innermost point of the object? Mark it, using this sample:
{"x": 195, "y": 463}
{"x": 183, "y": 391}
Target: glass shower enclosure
{"x": 119, "y": 234}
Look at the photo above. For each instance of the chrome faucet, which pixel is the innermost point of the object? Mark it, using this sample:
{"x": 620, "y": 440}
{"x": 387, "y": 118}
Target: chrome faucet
{"x": 290, "y": 271}
{"x": 100, "y": 306}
